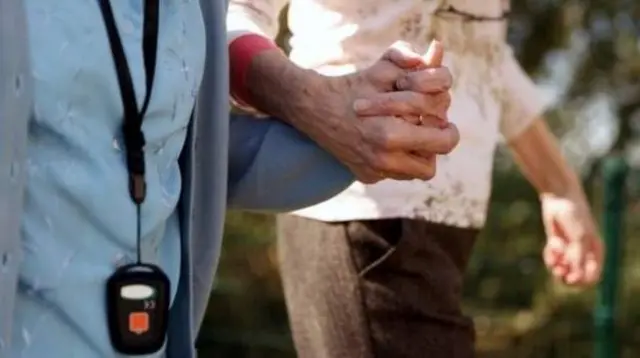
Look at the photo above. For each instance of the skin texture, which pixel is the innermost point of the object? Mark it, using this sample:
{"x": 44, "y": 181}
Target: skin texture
{"x": 574, "y": 251}
{"x": 324, "y": 108}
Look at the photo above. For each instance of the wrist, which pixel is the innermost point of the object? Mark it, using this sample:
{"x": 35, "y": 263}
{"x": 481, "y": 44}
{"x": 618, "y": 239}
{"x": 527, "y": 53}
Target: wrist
{"x": 567, "y": 185}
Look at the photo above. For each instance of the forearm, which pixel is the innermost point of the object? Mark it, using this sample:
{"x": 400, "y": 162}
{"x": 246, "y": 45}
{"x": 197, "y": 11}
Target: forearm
{"x": 310, "y": 102}
{"x": 264, "y": 79}
{"x": 539, "y": 157}
{"x": 277, "y": 86}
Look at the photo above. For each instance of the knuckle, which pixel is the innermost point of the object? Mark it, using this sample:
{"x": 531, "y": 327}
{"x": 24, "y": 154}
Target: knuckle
{"x": 447, "y": 77}
{"x": 405, "y": 82}
{"x": 450, "y": 139}
{"x": 385, "y": 103}
{"x": 381, "y": 139}
{"x": 406, "y": 103}
{"x": 455, "y": 136}
{"x": 420, "y": 81}
{"x": 368, "y": 179}
{"x": 429, "y": 169}
{"x": 418, "y": 102}
{"x": 444, "y": 101}
{"x": 378, "y": 163}
{"x": 392, "y": 52}
{"x": 429, "y": 174}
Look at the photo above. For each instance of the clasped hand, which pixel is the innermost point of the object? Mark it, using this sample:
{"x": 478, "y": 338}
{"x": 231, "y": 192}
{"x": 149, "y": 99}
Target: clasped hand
{"x": 392, "y": 116}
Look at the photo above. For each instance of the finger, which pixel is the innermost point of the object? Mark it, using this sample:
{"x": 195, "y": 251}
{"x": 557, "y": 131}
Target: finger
{"x": 428, "y": 80}
{"x": 367, "y": 176}
{"x": 402, "y": 55}
{"x": 552, "y": 253}
{"x": 435, "y": 54}
{"x": 405, "y": 166}
{"x": 576, "y": 258}
{"x": 413, "y": 119}
{"x": 365, "y": 173}
{"x": 578, "y": 237}
{"x": 433, "y": 121}
{"x": 560, "y": 271}
{"x": 593, "y": 262}
{"x": 424, "y": 121}
{"x": 404, "y": 103}
{"x": 592, "y": 271}
{"x": 423, "y": 138}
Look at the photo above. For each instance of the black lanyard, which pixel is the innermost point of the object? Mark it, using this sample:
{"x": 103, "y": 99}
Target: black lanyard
{"x": 137, "y": 295}
{"x": 134, "y": 141}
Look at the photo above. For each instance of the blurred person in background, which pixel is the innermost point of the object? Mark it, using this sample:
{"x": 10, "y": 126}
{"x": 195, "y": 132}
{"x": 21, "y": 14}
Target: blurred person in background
{"x": 74, "y": 76}
{"x": 377, "y": 270}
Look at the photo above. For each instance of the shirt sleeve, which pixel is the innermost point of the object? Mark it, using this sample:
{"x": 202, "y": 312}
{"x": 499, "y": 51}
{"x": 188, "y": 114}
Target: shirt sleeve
{"x": 253, "y": 16}
{"x": 273, "y": 167}
{"x": 522, "y": 101}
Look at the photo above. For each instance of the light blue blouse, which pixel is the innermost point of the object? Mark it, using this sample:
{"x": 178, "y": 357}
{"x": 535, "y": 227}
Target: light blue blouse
{"x": 79, "y": 221}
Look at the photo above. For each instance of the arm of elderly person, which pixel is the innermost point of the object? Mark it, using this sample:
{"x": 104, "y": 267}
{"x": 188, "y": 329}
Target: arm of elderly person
{"x": 574, "y": 251}
{"x": 272, "y": 166}
{"x": 322, "y": 108}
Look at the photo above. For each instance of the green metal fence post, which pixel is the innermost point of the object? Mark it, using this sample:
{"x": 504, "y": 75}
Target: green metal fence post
{"x": 614, "y": 172}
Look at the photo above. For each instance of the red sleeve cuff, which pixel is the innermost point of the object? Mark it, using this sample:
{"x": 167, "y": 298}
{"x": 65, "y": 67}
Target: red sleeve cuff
{"x": 242, "y": 50}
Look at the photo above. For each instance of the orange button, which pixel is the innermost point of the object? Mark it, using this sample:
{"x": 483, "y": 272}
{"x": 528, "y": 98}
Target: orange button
{"x": 139, "y": 322}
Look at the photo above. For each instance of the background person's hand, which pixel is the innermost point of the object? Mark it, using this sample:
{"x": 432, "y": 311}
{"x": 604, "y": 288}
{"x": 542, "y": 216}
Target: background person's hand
{"x": 574, "y": 252}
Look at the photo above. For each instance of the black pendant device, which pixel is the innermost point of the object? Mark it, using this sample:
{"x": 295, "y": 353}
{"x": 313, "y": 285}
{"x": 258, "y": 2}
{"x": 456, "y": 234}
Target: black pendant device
{"x": 137, "y": 294}
{"x": 138, "y": 308}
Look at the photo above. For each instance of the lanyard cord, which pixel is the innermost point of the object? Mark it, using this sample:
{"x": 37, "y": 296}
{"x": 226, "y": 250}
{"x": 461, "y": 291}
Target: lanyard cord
{"x": 134, "y": 140}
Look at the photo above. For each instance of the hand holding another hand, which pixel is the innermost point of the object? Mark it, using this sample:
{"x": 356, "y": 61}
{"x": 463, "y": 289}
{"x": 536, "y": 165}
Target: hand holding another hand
{"x": 367, "y": 119}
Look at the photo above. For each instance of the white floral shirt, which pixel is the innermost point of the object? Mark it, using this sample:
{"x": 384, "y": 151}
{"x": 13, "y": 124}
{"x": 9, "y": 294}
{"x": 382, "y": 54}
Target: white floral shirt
{"x": 492, "y": 96}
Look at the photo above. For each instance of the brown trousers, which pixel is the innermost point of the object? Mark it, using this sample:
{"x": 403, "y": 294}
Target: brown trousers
{"x": 376, "y": 289}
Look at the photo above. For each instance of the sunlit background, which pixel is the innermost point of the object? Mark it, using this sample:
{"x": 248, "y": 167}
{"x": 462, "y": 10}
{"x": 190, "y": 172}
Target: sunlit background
{"x": 585, "y": 55}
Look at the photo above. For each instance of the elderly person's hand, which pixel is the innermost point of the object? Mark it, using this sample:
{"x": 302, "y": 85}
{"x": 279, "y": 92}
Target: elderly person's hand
{"x": 574, "y": 252}
{"x": 430, "y": 112}
{"x": 358, "y": 117}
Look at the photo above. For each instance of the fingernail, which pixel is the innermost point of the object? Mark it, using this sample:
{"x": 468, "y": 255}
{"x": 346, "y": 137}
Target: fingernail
{"x": 361, "y": 105}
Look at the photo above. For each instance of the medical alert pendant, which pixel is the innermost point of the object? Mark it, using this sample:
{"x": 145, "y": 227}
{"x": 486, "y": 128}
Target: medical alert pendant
{"x": 138, "y": 309}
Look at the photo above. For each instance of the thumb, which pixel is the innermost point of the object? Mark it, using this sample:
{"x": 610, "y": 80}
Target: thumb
{"x": 402, "y": 55}
{"x": 434, "y": 55}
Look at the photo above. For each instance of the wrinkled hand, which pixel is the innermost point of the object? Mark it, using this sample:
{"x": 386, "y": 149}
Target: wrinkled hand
{"x": 419, "y": 79}
{"x": 369, "y": 136}
{"x": 574, "y": 252}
